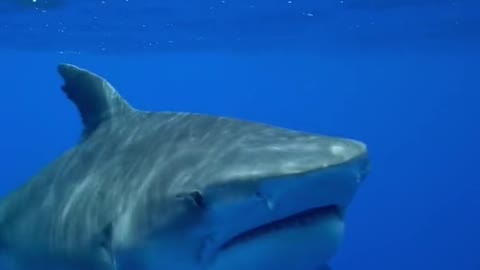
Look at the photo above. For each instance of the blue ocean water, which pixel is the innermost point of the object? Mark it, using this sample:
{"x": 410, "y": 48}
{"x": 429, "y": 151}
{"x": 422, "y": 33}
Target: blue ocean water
{"x": 401, "y": 75}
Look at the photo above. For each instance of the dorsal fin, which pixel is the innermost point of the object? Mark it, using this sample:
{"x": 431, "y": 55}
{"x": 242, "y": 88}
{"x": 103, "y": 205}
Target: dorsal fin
{"x": 94, "y": 97}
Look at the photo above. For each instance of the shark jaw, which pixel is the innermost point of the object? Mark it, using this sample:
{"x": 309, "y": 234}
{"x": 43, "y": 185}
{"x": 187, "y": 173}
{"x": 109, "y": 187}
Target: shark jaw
{"x": 305, "y": 240}
{"x": 296, "y": 222}
{"x": 308, "y": 218}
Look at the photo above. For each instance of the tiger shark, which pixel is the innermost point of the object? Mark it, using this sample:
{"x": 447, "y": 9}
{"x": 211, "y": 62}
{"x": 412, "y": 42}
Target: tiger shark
{"x": 170, "y": 190}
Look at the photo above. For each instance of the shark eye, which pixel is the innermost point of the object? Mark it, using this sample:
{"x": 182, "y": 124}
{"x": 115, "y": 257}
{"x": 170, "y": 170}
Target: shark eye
{"x": 197, "y": 198}
{"x": 194, "y": 197}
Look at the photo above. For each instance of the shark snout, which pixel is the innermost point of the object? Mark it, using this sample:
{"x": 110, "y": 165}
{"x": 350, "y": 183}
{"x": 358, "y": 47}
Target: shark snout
{"x": 340, "y": 151}
{"x": 337, "y": 169}
{"x": 356, "y": 154}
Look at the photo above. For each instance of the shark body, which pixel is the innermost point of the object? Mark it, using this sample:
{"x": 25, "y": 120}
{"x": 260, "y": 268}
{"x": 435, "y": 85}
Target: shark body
{"x": 164, "y": 190}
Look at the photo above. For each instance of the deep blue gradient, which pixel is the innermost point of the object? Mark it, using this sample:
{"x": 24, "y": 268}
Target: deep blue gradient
{"x": 407, "y": 84}
{"x": 138, "y": 26}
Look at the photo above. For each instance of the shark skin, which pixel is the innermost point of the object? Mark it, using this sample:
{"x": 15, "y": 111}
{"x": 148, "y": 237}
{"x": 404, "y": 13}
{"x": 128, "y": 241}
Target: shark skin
{"x": 170, "y": 190}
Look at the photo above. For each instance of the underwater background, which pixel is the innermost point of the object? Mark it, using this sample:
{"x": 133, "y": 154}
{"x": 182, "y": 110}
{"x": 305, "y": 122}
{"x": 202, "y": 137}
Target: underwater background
{"x": 401, "y": 75}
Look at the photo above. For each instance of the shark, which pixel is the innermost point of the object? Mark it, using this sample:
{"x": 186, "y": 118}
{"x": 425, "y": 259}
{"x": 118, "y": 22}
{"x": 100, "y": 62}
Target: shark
{"x": 146, "y": 190}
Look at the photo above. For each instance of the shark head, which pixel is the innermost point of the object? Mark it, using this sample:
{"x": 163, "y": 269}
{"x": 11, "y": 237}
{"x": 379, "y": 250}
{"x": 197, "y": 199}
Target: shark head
{"x": 289, "y": 218}
{"x": 252, "y": 196}
{"x": 163, "y": 190}
{"x": 293, "y": 219}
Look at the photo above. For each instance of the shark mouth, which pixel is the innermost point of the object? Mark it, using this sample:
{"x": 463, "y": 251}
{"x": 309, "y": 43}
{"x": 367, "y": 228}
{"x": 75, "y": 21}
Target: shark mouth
{"x": 303, "y": 218}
